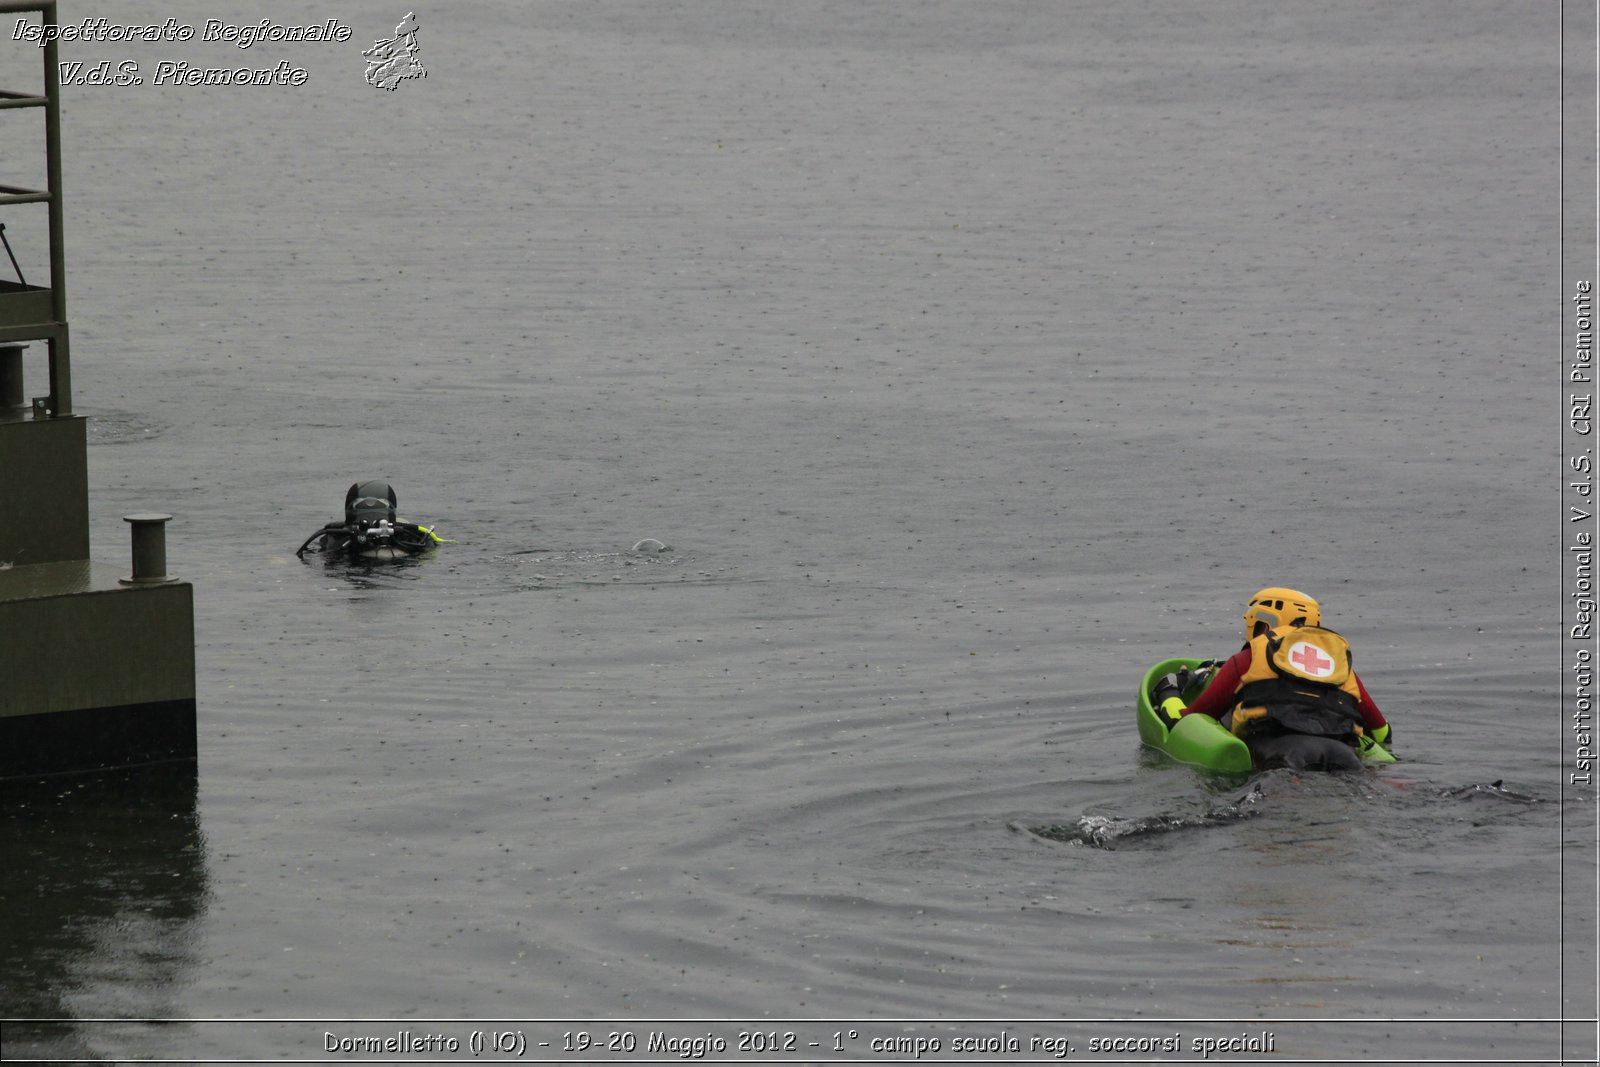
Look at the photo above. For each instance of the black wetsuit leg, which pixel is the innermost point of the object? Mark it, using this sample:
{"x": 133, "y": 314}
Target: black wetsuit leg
{"x": 1303, "y": 752}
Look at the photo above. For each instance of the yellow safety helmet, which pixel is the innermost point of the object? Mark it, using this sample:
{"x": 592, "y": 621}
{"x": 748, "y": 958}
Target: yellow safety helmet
{"x": 1276, "y": 606}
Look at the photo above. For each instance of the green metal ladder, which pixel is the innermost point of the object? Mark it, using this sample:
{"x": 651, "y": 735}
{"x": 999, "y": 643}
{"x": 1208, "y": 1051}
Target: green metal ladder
{"x": 33, "y": 312}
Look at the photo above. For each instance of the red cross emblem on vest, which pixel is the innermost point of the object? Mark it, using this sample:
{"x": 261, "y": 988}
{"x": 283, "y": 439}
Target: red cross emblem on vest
{"x": 1310, "y": 659}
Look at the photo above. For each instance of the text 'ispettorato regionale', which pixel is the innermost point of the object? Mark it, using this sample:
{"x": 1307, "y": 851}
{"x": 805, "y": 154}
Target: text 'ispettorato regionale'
{"x": 100, "y": 30}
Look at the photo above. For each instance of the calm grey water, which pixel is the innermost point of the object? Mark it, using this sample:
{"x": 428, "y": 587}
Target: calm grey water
{"x": 970, "y": 357}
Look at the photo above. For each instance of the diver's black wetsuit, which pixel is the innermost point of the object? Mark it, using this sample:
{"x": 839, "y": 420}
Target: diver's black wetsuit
{"x": 1303, "y": 752}
{"x": 370, "y": 528}
{"x": 404, "y": 537}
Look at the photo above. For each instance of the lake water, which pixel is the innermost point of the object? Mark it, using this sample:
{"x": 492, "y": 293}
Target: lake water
{"x": 970, "y": 358}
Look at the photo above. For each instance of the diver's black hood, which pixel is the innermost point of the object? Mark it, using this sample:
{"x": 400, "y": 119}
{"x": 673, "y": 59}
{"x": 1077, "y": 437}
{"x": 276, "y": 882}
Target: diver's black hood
{"x": 369, "y": 502}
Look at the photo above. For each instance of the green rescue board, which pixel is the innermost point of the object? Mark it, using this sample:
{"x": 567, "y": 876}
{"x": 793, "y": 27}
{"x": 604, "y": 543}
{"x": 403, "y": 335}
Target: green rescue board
{"x": 1199, "y": 740}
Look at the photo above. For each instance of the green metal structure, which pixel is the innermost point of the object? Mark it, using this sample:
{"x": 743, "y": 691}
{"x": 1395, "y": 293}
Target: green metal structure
{"x": 96, "y": 669}
{"x": 29, "y": 312}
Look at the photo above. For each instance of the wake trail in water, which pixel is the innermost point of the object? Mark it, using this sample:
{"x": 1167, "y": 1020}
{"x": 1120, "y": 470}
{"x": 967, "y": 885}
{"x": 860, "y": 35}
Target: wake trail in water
{"x": 1110, "y": 831}
{"x": 1107, "y": 831}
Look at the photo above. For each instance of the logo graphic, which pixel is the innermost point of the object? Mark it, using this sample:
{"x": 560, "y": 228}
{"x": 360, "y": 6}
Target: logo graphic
{"x": 1310, "y": 659}
{"x": 393, "y": 61}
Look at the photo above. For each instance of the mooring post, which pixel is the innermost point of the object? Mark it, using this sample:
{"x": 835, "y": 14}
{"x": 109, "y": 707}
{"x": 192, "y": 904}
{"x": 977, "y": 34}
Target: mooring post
{"x": 149, "y": 548}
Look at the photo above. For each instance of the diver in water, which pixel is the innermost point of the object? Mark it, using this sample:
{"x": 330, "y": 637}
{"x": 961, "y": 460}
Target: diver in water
{"x": 1290, "y": 693}
{"x": 370, "y": 529}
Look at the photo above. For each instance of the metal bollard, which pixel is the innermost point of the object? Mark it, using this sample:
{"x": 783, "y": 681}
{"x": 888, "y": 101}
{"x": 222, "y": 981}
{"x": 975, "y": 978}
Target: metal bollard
{"x": 149, "y": 548}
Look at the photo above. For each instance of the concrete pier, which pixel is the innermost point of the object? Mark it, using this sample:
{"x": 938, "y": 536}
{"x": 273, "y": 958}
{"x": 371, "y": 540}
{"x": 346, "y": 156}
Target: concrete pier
{"x": 97, "y": 673}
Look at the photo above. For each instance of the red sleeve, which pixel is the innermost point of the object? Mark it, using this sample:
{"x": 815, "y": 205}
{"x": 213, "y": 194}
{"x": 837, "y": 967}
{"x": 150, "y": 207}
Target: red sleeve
{"x": 1369, "y": 709}
{"x": 1217, "y": 700}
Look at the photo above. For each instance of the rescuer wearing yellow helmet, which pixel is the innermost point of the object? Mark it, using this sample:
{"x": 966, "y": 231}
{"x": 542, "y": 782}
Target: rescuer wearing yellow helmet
{"x": 1289, "y": 692}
